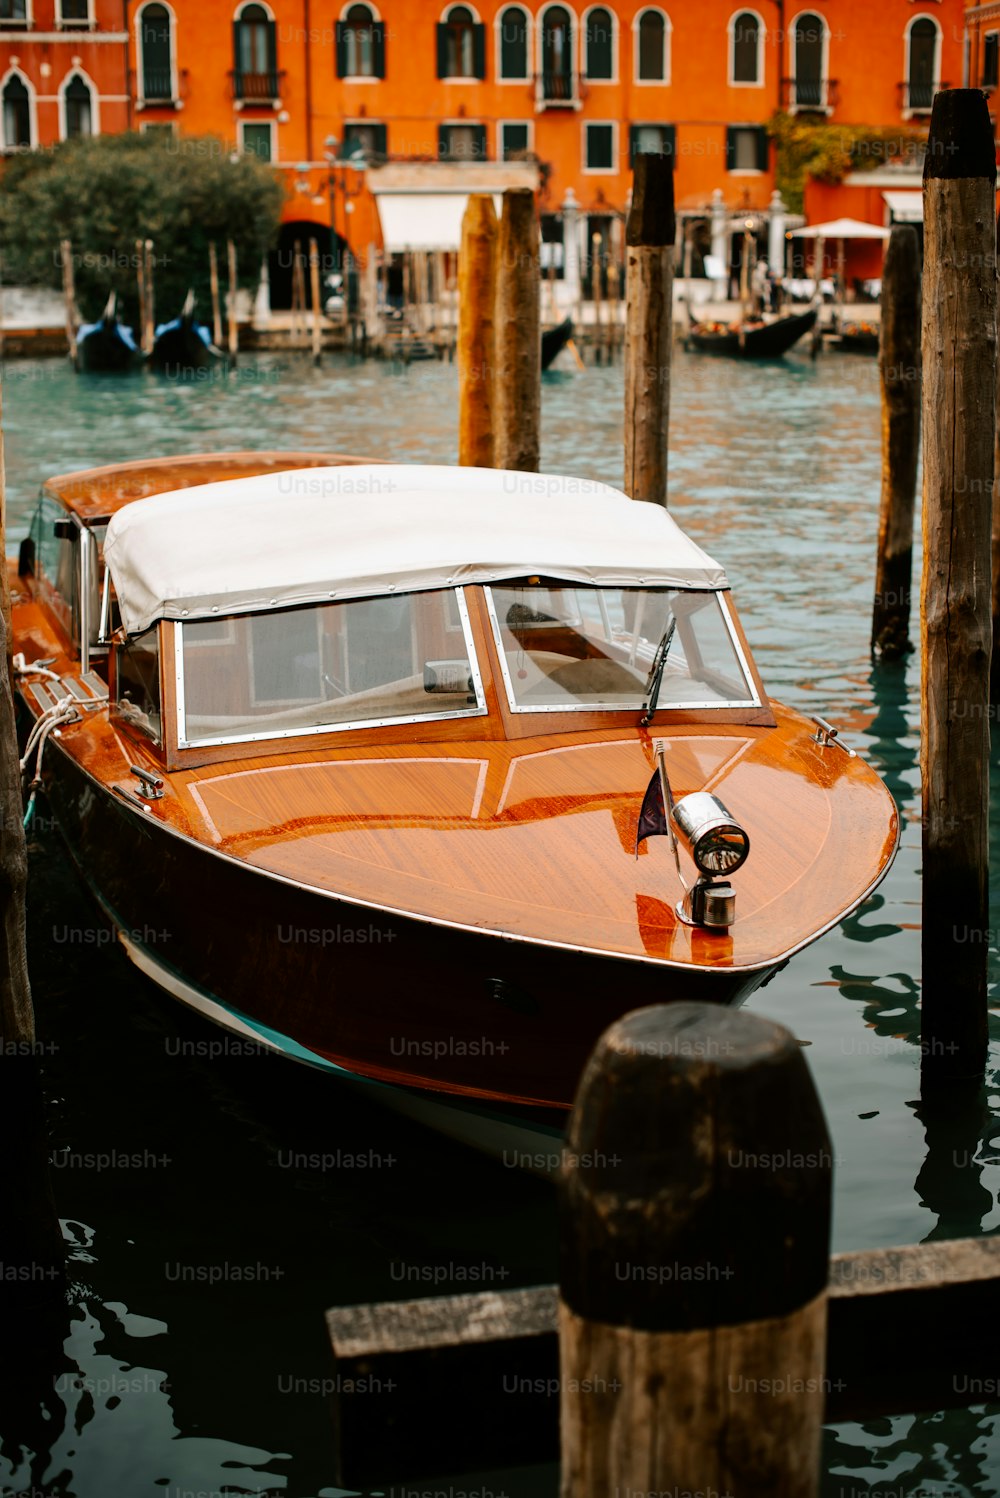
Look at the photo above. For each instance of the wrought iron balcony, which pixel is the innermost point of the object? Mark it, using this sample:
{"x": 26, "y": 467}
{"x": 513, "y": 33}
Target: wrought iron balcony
{"x": 257, "y": 88}
{"x": 557, "y": 88}
{"x": 918, "y": 98}
{"x": 805, "y": 94}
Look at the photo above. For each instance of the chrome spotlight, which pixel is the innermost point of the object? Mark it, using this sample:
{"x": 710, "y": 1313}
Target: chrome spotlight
{"x": 718, "y": 845}
{"x": 715, "y": 840}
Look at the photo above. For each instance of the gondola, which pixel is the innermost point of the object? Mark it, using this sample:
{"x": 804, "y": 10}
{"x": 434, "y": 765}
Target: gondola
{"x": 750, "y": 340}
{"x": 854, "y": 338}
{"x": 106, "y": 345}
{"x": 554, "y": 340}
{"x": 183, "y": 344}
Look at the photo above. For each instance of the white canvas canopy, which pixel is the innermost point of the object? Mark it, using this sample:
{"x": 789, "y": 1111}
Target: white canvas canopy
{"x": 316, "y": 534}
{"x": 841, "y": 228}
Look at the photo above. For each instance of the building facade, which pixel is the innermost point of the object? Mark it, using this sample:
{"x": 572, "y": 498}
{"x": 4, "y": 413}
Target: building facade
{"x": 345, "y": 99}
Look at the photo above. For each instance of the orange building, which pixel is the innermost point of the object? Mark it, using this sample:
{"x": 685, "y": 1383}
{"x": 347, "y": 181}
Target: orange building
{"x": 384, "y": 113}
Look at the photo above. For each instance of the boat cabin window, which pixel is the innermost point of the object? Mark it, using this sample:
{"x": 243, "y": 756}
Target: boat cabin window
{"x": 56, "y": 540}
{"x": 564, "y": 647}
{"x": 137, "y": 683}
{"x": 405, "y": 657}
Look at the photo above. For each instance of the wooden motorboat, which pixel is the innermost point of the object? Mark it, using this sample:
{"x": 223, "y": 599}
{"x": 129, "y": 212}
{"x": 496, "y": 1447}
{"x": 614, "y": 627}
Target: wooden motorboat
{"x": 367, "y": 762}
{"x": 106, "y": 346}
{"x": 184, "y": 345}
{"x": 749, "y": 339}
{"x": 554, "y": 340}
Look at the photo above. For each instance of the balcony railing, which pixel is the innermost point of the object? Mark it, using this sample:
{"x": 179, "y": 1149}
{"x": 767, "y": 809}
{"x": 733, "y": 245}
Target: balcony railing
{"x": 811, "y": 93}
{"x": 556, "y": 87}
{"x": 257, "y": 88}
{"x": 918, "y": 98}
{"x": 157, "y": 85}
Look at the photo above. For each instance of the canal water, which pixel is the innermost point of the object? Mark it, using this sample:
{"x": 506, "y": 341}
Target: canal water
{"x": 216, "y": 1204}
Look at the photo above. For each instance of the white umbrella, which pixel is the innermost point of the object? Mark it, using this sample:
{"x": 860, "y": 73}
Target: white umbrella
{"x": 841, "y": 228}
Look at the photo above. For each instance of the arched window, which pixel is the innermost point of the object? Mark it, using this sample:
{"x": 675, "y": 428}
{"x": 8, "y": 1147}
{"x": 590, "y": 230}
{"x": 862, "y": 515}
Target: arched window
{"x": 808, "y": 41}
{"x": 652, "y": 47}
{"x": 360, "y": 44}
{"x": 255, "y": 54}
{"x": 513, "y": 43}
{"x": 16, "y": 114}
{"x": 461, "y": 45}
{"x": 746, "y": 48}
{"x": 599, "y": 41}
{"x": 79, "y": 108}
{"x": 922, "y": 69}
{"x": 154, "y": 44}
{"x": 557, "y": 53}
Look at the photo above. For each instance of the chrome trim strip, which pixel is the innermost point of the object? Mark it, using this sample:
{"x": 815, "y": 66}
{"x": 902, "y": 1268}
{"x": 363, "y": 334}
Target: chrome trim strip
{"x": 624, "y": 707}
{"x": 479, "y": 711}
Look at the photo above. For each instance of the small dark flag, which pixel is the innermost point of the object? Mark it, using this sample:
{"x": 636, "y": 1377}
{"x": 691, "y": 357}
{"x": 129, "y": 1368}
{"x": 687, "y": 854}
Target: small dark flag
{"x": 652, "y": 816}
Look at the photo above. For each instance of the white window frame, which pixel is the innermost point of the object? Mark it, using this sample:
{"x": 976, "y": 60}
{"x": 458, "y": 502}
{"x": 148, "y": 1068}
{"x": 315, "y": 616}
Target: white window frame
{"x": 600, "y": 82}
{"x": 601, "y": 171}
{"x": 746, "y": 171}
{"x": 481, "y": 710}
{"x": 145, "y": 126}
{"x": 824, "y": 106}
{"x": 529, "y": 33}
{"x": 271, "y": 124}
{"x": 747, "y": 10}
{"x": 499, "y": 140}
{"x": 910, "y": 113}
{"x": 95, "y": 101}
{"x": 16, "y": 28}
{"x": 668, "y": 50}
{"x": 477, "y": 20}
{"x": 574, "y": 58}
{"x": 376, "y": 16}
{"x": 140, "y": 99}
{"x": 16, "y": 72}
{"x": 88, "y": 25}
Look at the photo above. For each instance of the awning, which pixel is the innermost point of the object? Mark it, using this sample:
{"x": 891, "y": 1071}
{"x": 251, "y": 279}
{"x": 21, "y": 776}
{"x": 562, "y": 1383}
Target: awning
{"x": 905, "y": 207}
{"x": 424, "y": 220}
{"x": 842, "y": 228}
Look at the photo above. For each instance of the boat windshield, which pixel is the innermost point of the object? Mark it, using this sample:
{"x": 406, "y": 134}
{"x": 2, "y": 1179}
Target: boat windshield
{"x": 564, "y": 647}
{"x": 362, "y": 663}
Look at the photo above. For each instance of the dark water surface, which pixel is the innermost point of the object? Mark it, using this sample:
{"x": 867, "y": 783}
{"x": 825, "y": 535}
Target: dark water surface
{"x": 175, "y": 1385}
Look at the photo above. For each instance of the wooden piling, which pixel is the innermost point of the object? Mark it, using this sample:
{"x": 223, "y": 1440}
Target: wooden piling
{"x": 649, "y": 239}
{"x": 317, "y": 311}
{"x": 995, "y": 656}
{"x": 149, "y": 309}
{"x": 477, "y": 270}
{"x": 233, "y": 327}
{"x": 899, "y": 369}
{"x": 213, "y": 276}
{"x": 612, "y": 309}
{"x": 140, "y": 276}
{"x": 596, "y": 297}
{"x": 694, "y": 1207}
{"x": 959, "y": 375}
{"x": 518, "y": 393}
{"x": 69, "y": 297}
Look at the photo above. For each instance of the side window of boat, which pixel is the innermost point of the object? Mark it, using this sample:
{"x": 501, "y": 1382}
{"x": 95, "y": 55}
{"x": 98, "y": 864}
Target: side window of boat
{"x": 137, "y": 683}
{"x": 56, "y": 558}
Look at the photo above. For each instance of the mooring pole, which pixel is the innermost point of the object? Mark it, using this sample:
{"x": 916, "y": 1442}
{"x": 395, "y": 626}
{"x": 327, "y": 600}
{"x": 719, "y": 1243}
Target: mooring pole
{"x": 69, "y": 297}
{"x": 694, "y": 1205}
{"x": 899, "y": 368}
{"x": 649, "y": 281}
{"x": 149, "y": 310}
{"x": 234, "y": 334}
{"x": 959, "y": 408}
{"x": 140, "y": 276}
{"x": 213, "y": 276}
{"x": 596, "y": 290}
{"x": 477, "y": 279}
{"x": 31, "y": 1248}
{"x": 995, "y": 657}
{"x": 317, "y": 330}
{"x": 518, "y": 394}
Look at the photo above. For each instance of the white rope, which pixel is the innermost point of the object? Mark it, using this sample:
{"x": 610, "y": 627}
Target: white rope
{"x": 22, "y": 668}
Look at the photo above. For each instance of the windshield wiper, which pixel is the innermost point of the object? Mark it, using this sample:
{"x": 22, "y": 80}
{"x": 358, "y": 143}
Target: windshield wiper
{"x": 655, "y": 676}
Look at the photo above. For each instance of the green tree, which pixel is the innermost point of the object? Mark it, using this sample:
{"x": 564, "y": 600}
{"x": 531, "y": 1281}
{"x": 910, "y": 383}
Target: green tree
{"x": 106, "y": 192}
{"x": 807, "y": 147}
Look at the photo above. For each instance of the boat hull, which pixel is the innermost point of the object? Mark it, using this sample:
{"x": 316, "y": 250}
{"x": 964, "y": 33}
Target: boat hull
{"x": 769, "y": 342}
{"x": 105, "y": 351}
{"x": 378, "y": 994}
